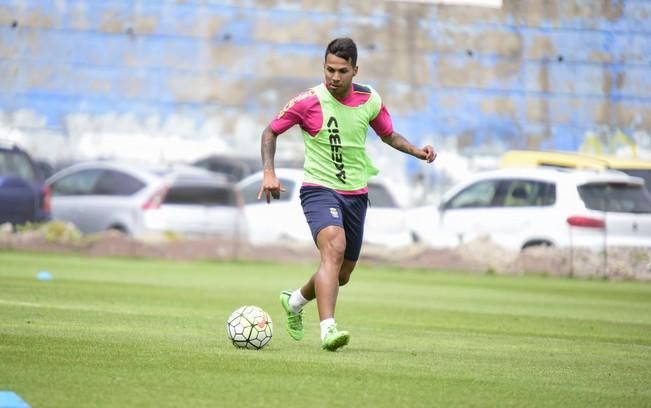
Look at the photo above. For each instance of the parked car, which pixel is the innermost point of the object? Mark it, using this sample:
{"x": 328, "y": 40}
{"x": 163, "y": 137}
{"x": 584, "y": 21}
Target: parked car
{"x": 386, "y": 222}
{"x": 97, "y": 196}
{"x": 23, "y": 195}
{"x": 237, "y": 168}
{"x": 576, "y": 160}
{"x": 518, "y": 208}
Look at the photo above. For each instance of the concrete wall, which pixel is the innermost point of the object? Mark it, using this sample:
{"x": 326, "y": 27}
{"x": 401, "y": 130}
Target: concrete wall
{"x": 178, "y": 79}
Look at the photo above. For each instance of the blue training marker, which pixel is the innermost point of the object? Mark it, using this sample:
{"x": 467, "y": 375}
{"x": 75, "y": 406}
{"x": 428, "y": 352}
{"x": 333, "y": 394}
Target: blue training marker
{"x": 9, "y": 399}
{"x": 44, "y": 276}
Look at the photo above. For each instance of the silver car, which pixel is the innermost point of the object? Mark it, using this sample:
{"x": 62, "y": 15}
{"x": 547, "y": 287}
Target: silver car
{"x": 136, "y": 199}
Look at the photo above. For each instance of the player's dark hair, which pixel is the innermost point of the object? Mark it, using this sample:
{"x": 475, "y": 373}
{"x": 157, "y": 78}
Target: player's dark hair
{"x": 343, "y": 48}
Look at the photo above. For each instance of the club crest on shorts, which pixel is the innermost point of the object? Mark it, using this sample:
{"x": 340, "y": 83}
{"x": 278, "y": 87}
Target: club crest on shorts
{"x": 334, "y": 212}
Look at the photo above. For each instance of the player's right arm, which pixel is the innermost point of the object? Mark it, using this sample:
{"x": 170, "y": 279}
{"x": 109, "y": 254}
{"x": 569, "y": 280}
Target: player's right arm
{"x": 271, "y": 186}
{"x": 296, "y": 112}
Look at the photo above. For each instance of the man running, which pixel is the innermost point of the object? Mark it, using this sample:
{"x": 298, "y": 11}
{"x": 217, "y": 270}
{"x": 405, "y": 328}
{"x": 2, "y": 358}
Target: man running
{"x": 334, "y": 117}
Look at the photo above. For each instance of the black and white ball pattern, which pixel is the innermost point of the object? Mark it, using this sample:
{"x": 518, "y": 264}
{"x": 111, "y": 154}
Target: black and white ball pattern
{"x": 249, "y": 327}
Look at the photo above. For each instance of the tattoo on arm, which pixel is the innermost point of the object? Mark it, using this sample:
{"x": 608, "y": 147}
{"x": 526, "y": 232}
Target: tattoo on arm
{"x": 398, "y": 142}
{"x": 268, "y": 149}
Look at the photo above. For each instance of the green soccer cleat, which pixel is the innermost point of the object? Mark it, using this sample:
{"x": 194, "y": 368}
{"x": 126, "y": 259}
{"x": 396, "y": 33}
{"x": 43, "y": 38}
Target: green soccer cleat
{"x": 294, "y": 320}
{"x": 335, "y": 339}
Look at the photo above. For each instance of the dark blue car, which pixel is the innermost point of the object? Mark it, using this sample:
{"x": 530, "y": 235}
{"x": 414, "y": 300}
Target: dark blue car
{"x": 23, "y": 195}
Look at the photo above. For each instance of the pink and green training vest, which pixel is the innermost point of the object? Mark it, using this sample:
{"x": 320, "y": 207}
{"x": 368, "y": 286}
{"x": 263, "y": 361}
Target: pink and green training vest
{"x": 336, "y": 156}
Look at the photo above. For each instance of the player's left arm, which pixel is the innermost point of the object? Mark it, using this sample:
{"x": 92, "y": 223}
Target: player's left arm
{"x": 383, "y": 126}
{"x": 399, "y": 142}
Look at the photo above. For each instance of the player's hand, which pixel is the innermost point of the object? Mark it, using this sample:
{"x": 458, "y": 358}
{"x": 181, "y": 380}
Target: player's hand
{"x": 428, "y": 154}
{"x": 271, "y": 187}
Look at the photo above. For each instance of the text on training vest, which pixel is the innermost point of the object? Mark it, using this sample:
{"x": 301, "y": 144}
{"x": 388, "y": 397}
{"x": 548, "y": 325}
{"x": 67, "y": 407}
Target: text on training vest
{"x": 335, "y": 147}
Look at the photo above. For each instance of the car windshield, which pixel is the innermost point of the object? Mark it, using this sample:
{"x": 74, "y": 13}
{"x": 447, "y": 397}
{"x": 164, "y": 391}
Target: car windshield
{"x": 201, "y": 195}
{"x": 616, "y": 197}
{"x": 16, "y": 164}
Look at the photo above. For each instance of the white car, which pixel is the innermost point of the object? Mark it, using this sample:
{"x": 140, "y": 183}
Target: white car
{"x": 283, "y": 219}
{"x": 136, "y": 199}
{"x": 517, "y": 208}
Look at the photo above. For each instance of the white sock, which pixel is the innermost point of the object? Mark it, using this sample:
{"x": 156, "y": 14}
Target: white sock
{"x": 325, "y": 325}
{"x": 297, "y": 301}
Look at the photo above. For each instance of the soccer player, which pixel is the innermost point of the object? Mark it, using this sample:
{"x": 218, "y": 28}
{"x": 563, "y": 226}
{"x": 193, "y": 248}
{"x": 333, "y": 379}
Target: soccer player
{"x": 334, "y": 117}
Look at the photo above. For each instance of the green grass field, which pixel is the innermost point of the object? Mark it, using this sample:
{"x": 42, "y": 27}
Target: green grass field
{"x": 149, "y": 333}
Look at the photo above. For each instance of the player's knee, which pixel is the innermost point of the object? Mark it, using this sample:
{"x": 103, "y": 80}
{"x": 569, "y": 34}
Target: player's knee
{"x": 336, "y": 257}
{"x": 334, "y": 246}
{"x": 338, "y": 250}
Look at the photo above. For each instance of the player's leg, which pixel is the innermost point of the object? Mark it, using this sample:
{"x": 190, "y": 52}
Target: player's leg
{"x": 353, "y": 213}
{"x": 306, "y": 293}
{"x": 325, "y": 215}
{"x": 294, "y": 301}
{"x": 332, "y": 246}
{"x": 354, "y": 217}
{"x": 332, "y": 338}
{"x": 322, "y": 211}
{"x": 331, "y": 241}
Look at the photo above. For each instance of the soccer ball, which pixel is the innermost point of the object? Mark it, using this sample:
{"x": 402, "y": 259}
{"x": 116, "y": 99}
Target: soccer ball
{"x": 249, "y": 327}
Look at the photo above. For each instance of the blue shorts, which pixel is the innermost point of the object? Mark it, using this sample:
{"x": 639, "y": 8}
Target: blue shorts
{"x": 324, "y": 207}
